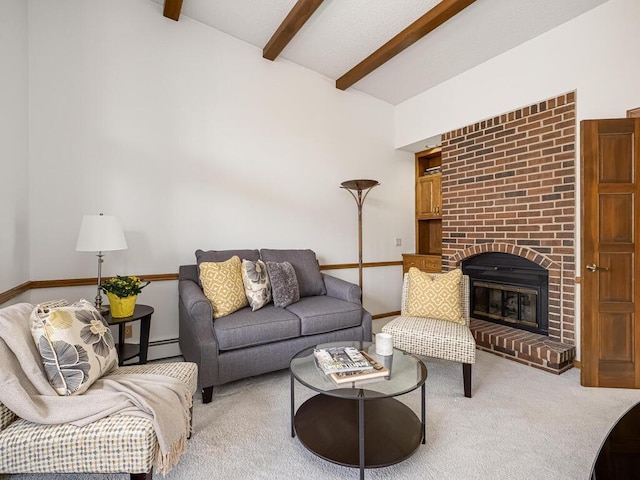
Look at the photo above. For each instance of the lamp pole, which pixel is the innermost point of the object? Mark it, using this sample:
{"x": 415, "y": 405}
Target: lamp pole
{"x": 361, "y": 189}
{"x": 98, "y": 299}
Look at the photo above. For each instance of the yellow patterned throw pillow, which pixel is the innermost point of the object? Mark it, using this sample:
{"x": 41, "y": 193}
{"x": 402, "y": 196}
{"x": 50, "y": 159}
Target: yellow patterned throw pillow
{"x": 435, "y": 296}
{"x": 222, "y": 285}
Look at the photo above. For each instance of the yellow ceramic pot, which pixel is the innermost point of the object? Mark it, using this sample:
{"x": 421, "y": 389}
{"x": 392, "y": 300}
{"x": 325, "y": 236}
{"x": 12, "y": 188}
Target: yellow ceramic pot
{"x": 121, "y": 307}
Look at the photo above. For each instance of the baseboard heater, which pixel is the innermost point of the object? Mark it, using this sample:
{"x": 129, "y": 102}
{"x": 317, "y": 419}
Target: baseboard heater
{"x": 168, "y": 341}
{"x": 163, "y": 343}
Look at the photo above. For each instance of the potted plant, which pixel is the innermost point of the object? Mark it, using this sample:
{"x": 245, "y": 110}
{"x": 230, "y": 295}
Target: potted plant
{"x": 122, "y": 292}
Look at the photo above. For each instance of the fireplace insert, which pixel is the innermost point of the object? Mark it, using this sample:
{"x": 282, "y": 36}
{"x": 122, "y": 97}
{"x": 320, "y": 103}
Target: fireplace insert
{"x": 509, "y": 290}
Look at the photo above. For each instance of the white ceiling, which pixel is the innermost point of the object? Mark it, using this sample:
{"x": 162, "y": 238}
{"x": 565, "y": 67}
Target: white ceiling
{"x": 341, "y": 33}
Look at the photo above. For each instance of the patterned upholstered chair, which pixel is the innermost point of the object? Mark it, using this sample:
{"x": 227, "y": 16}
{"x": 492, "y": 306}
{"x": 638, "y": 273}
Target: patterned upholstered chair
{"x": 116, "y": 444}
{"x": 430, "y": 337}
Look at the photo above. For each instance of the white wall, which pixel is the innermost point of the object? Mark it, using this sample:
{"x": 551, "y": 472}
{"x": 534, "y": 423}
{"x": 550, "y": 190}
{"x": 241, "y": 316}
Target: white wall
{"x": 194, "y": 141}
{"x": 14, "y": 147}
{"x": 595, "y": 54}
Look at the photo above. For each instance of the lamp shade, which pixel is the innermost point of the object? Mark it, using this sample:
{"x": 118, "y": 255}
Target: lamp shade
{"x": 100, "y": 233}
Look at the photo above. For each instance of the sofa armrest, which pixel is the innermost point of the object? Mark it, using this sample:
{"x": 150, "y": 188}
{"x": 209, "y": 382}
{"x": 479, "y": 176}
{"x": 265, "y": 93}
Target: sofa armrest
{"x": 197, "y": 337}
{"x": 342, "y": 289}
{"x": 196, "y": 303}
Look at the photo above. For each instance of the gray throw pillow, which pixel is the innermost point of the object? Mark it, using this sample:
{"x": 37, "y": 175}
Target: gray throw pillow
{"x": 284, "y": 284}
{"x": 257, "y": 287}
{"x": 306, "y": 266}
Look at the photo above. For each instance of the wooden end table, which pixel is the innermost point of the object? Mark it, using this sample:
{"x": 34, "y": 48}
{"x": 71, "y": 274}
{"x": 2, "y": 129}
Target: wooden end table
{"x": 127, "y": 351}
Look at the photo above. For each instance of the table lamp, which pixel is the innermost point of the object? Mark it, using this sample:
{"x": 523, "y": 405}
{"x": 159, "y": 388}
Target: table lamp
{"x": 100, "y": 233}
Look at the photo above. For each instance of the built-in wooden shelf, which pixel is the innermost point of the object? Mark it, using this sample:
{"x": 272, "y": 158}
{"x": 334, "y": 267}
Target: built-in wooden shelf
{"x": 428, "y": 212}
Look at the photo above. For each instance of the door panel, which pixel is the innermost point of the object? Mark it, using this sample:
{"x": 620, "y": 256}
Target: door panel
{"x": 618, "y": 288}
{"x": 611, "y": 230}
{"x": 616, "y": 334}
{"x": 610, "y": 333}
{"x": 616, "y": 158}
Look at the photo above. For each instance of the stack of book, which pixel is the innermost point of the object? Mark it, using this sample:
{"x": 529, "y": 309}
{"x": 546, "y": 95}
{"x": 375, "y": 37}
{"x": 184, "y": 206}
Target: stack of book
{"x": 432, "y": 170}
{"x": 348, "y": 364}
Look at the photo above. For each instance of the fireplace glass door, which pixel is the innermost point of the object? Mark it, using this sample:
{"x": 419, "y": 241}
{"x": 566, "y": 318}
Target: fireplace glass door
{"x": 505, "y": 303}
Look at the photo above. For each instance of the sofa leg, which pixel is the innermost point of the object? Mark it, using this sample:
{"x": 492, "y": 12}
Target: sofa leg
{"x": 207, "y": 394}
{"x": 141, "y": 476}
{"x": 466, "y": 376}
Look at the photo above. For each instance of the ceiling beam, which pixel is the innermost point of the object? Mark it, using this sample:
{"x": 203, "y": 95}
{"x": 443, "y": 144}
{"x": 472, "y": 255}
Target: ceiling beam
{"x": 297, "y": 17}
{"x": 410, "y": 35}
{"x": 172, "y": 9}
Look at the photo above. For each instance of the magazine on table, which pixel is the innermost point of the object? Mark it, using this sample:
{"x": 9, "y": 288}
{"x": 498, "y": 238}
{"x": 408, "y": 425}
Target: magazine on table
{"x": 379, "y": 371}
{"x": 341, "y": 359}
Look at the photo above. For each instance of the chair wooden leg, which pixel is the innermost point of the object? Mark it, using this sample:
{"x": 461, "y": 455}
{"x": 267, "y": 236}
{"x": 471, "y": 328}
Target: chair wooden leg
{"x": 466, "y": 376}
{"x": 141, "y": 476}
{"x": 207, "y": 394}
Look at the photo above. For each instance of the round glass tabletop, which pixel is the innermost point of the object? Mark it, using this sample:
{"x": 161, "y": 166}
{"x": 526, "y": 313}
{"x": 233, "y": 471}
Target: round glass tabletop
{"x": 406, "y": 373}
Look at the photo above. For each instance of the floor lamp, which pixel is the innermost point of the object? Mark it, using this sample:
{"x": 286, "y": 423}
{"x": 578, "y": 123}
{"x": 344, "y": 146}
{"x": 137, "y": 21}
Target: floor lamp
{"x": 359, "y": 189}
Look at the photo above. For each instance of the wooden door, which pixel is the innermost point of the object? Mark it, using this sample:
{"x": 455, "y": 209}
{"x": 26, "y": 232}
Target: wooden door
{"x": 610, "y": 305}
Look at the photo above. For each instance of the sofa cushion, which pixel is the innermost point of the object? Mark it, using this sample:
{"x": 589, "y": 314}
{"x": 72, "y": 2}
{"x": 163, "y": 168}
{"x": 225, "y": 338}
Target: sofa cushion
{"x": 75, "y": 344}
{"x": 257, "y": 287}
{"x": 321, "y": 314}
{"x": 284, "y": 283}
{"x": 245, "y": 328}
{"x": 222, "y": 285}
{"x": 305, "y": 265}
{"x": 222, "y": 256}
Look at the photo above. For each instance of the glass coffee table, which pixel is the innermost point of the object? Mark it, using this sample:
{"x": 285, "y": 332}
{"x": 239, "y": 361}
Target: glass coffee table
{"x": 359, "y": 424}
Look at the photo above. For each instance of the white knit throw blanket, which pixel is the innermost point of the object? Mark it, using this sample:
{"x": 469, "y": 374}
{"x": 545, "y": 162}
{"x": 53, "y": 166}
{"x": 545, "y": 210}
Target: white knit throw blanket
{"x": 25, "y": 390}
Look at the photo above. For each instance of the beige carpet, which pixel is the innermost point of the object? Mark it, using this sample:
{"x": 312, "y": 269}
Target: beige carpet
{"x": 521, "y": 423}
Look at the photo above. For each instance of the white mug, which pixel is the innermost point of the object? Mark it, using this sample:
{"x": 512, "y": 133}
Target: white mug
{"x": 384, "y": 344}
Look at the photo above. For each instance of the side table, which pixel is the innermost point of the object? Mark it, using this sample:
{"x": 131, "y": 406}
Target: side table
{"x": 355, "y": 426}
{"x": 127, "y": 351}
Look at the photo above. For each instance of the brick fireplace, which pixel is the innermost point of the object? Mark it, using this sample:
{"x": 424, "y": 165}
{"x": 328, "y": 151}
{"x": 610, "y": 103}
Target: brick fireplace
{"x": 509, "y": 186}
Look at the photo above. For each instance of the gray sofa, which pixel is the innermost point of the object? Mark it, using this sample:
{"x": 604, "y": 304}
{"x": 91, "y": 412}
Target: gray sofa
{"x": 247, "y": 343}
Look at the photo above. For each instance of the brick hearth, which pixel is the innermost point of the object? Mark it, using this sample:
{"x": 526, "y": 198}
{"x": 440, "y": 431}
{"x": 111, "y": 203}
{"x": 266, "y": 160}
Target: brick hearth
{"x": 524, "y": 347}
{"x": 509, "y": 186}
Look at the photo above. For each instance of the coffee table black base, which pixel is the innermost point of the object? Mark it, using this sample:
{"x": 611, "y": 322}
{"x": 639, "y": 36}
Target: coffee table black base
{"x": 328, "y": 427}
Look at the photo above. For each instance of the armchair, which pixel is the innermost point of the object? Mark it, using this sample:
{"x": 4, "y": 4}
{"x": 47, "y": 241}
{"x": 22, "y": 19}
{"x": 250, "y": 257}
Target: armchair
{"x": 111, "y": 444}
{"x": 435, "y": 338}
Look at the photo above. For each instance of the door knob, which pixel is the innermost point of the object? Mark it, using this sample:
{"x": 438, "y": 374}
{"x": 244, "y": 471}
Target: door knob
{"x": 594, "y": 268}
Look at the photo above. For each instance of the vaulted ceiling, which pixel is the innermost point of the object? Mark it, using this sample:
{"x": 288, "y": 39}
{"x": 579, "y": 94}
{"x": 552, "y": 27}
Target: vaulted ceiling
{"x": 334, "y": 37}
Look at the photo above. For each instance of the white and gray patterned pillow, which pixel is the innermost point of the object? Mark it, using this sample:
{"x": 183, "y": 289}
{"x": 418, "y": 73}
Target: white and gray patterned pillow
{"x": 284, "y": 283}
{"x": 256, "y": 283}
{"x": 75, "y": 344}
